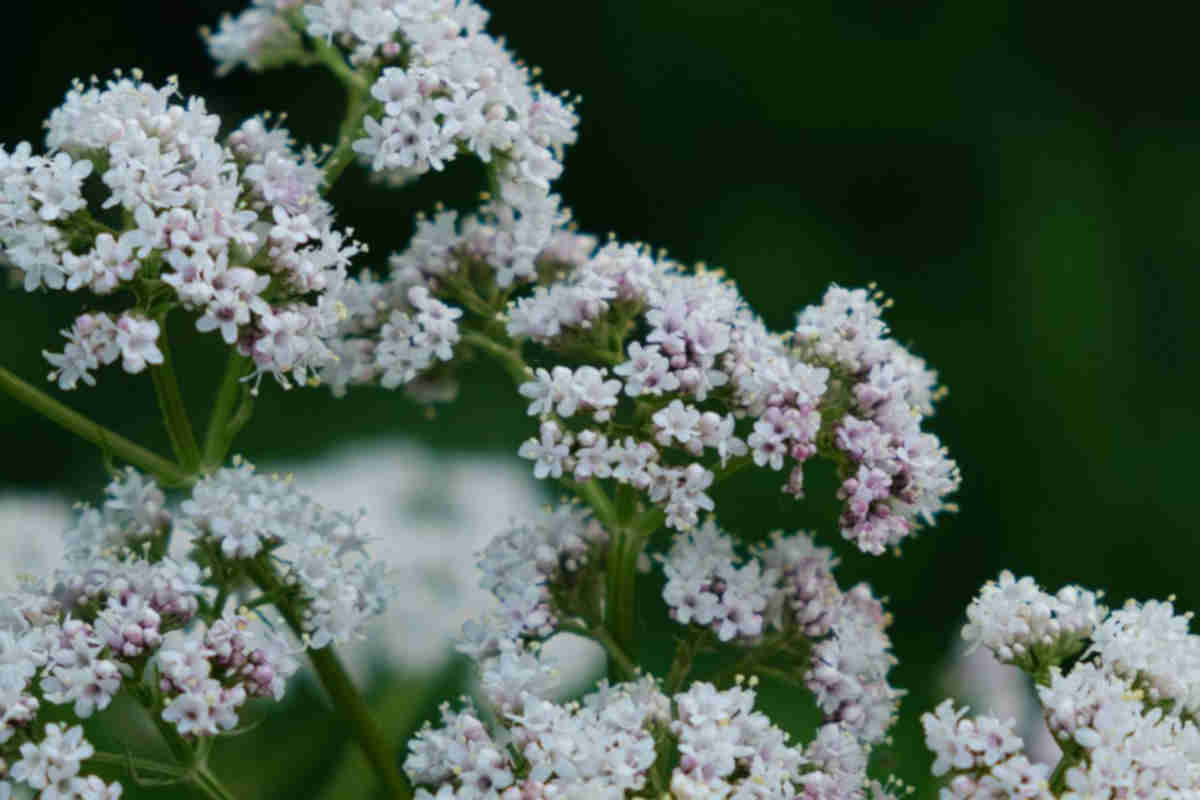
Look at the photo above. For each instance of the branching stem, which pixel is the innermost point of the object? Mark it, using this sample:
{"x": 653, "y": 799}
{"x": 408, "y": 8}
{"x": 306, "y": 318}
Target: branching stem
{"x": 166, "y": 472}
{"x": 346, "y": 698}
{"x": 1071, "y": 753}
{"x": 343, "y": 152}
{"x": 170, "y": 401}
{"x": 509, "y": 358}
{"x": 223, "y": 425}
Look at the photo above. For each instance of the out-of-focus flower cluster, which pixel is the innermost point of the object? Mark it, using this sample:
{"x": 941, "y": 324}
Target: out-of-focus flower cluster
{"x": 1123, "y": 712}
{"x": 432, "y": 511}
{"x": 29, "y": 556}
{"x": 124, "y": 611}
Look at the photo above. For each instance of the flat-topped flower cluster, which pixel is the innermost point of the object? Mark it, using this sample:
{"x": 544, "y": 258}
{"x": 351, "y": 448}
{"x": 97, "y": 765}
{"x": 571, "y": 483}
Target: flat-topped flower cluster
{"x": 440, "y": 86}
{"x": 154, "y": 602}
{"x": 670, "y": 379}
{"x": 1123, "y": 712}
{"x": 610, "y": 744}
{"x": 636, "y": 736}
{"x": 785, "y": 598}
{"x": 650, "y": 383}
{"x": 234, "y": 231}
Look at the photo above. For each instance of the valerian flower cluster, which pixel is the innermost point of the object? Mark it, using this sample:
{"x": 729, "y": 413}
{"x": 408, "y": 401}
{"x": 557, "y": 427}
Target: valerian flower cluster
{"x": 644, "y": 736}
{"x": 1119, "y": 691}
{"x": 233, "y": 231}
{"x": 648, "y": 382}
{"x": 156, "y": 602}
{"x": 679, "y": 382}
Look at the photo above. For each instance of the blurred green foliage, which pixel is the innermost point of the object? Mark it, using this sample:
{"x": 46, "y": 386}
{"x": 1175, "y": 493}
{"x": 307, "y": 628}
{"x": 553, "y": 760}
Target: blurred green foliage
{"x": 1018, "y": 177}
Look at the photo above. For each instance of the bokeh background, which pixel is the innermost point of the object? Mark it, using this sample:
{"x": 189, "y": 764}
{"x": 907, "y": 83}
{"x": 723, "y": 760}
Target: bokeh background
{"x": 1019, "y": 178}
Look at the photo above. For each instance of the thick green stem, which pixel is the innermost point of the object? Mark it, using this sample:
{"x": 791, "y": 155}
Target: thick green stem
{"x": 509, "y": 358}
{"x": 1070, "y": 757}
{"x": 204, "y": 780}
{"x": 346, "y": 699}
{"x": 223, "y": 426}
{"x": 170, "y": 401}
{"x": 628, "y": 533}
{"x": 592, "y": 494}
{"x": 166, "y": 472}
{"x": 621, "y": 589}
{"x": 354, "y": 709}
{"x": 179, "y": 747}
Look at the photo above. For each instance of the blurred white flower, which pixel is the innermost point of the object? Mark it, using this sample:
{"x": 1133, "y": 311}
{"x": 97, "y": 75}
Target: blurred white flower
{"x": 978, "y": 679}
{"x": 31, "y": 527}
{"x": 430, "y": 515}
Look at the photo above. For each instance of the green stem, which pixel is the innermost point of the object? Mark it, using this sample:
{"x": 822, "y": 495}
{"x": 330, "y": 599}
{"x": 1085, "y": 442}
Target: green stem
{"x": 331, "y": 57}
{"x": 510, "y": 358}
{"x": 218, "y": 607}
{"x": 354, "y": 709}
{"x": 681, "y": 664}
{"x": 592, "y": 494}
{"x": 146, "y": 765}
{"x": 1058, "y": 778}
{"x": 221, "y": 429}
{"x": 170, "y": 401}
{"x": 606, "y": 640}
{"x": 181, "y": 751}
{"x": 357, "y": 83}
{"x": 618, "y": 653}
{"x": 204, "y": 780}
{"x": 343, "y": 151}
{"x": 199, "y": 776}
{"x": 166, "y": 472}
{"x": 619, "y": 597}
{"x": 346, "y": 699}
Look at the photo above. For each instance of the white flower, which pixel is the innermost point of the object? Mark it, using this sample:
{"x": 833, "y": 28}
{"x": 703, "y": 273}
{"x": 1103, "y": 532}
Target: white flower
{"x": 138, "y": 341}
{"x": 56, "y": 757}
{"x": 677, "y": 422}
{"x": 549, "y": 452}
{"x": 706, "y": 585}
{"x": 192, "y": 207}
{"x": 1013, "y": 616}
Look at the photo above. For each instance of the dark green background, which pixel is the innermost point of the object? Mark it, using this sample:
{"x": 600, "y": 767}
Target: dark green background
{"x": 1019, "y": 179}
